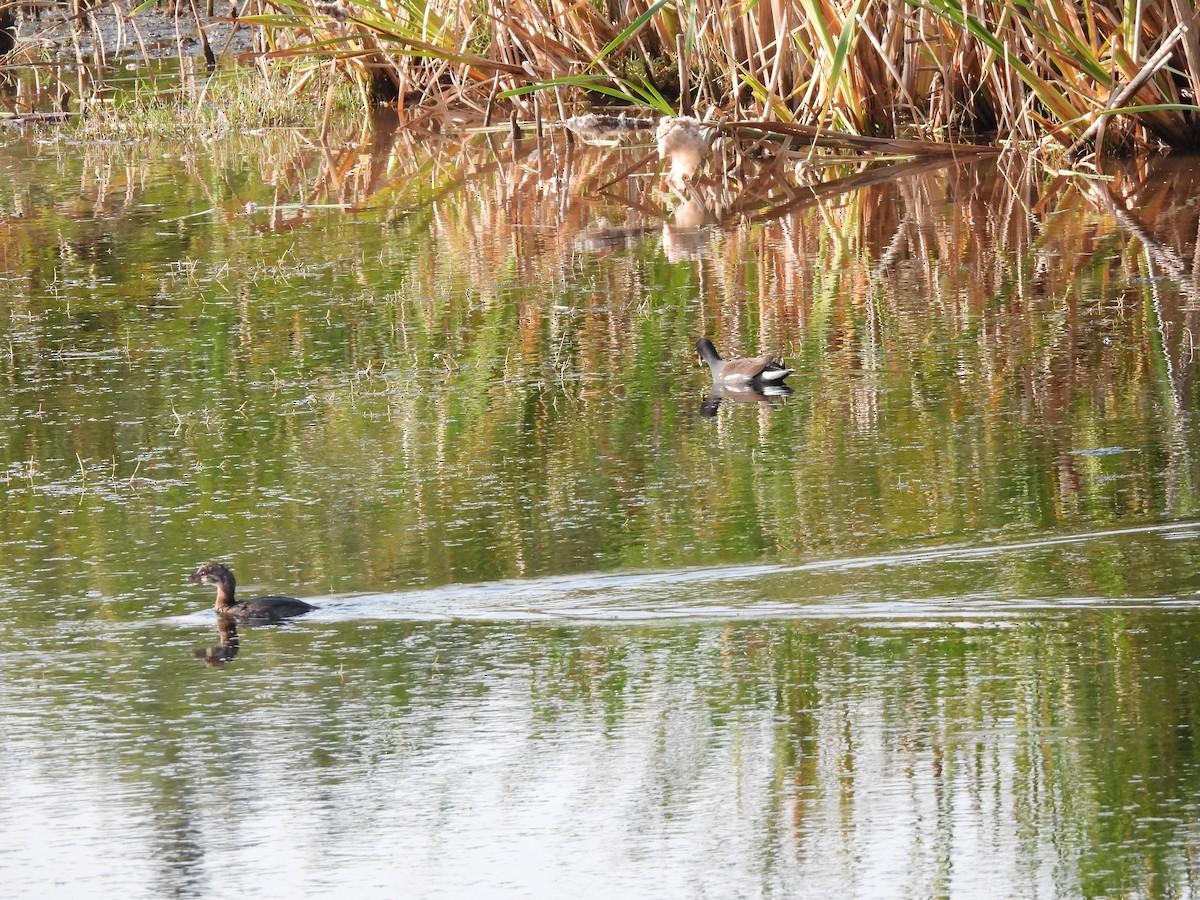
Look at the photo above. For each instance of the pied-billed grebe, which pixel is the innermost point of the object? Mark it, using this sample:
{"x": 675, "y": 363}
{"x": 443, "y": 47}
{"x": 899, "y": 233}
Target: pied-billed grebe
{"x": 761, "y": 370}
{"x": 258, "y": 611}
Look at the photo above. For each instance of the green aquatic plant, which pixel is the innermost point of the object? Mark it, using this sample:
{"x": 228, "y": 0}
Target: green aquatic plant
{"x": 228, "y": 102}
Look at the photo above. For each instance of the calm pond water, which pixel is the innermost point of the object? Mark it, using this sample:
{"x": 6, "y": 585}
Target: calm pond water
{"x": 927, "y": 626}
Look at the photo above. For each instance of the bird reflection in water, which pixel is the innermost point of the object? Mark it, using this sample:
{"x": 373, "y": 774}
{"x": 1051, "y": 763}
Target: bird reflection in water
{"x": 773, "y": 394}
{"x": 219, "y": 654}
{"x": 688, "y": 234}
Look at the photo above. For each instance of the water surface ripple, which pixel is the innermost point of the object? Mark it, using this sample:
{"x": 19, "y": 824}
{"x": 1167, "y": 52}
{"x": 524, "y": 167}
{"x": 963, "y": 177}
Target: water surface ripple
{"x": 927, "y": 626}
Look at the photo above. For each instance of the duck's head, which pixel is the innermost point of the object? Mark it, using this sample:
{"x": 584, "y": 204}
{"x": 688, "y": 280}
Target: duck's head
{"x": 706, "y": 351}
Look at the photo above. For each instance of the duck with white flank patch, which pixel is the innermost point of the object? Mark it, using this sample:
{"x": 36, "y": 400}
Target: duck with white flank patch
{"x": 761, "y": 370}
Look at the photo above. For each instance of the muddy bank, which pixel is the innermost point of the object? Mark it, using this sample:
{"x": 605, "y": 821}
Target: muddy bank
{"x": 110, "y": 32}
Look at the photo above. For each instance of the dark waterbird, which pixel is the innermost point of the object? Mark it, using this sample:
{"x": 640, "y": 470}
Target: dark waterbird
{"x": 257, "y": 611}
{"x": 757, "y": 372}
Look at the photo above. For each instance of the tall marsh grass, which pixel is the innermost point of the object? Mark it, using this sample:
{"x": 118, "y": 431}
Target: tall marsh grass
{"x": 1065, "y": 74}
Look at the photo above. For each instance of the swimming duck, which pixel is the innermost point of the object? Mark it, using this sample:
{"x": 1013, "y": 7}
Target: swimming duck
{"x": 767, "y": 369}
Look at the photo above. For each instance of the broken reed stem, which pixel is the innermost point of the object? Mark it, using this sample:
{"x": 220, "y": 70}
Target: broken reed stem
{"x": 1118, "y": 98}
{"x": 685, "y": 76}
{"x": 327, "y": 118}
{"x": 490, "y": 108}
{"x": 209, "y": 59}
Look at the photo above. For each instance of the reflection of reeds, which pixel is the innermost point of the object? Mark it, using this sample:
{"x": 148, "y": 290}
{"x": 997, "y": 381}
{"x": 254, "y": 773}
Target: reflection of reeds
{"x": 501, "y": 325}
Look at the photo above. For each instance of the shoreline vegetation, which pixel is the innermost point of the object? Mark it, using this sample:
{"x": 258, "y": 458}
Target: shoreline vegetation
{"x": 1067, "y": 79}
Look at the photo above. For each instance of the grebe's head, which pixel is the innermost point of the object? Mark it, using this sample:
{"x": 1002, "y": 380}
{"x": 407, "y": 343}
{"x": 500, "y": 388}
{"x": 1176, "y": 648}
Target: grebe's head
{"x": 212, "y": 573}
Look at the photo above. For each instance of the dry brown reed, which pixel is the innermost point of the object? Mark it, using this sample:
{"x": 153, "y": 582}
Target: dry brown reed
{"x": 1058, "y": 73}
